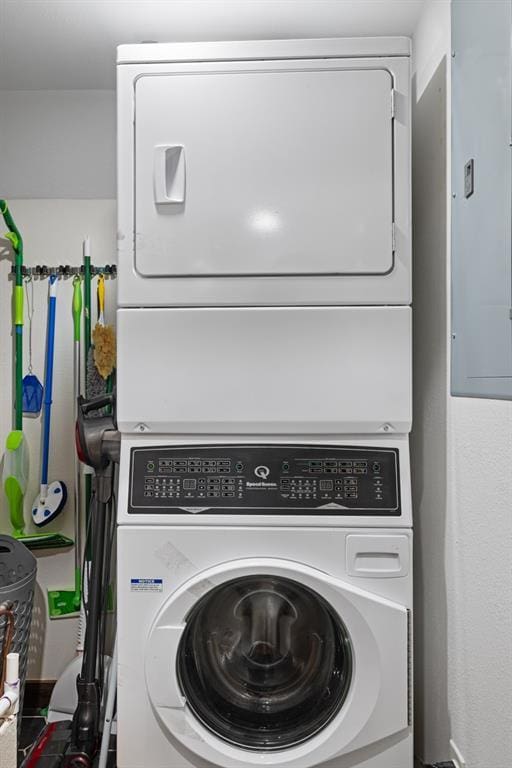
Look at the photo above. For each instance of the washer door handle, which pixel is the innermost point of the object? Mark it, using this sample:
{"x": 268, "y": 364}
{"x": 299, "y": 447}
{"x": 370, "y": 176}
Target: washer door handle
{"x": 161, "y": 675}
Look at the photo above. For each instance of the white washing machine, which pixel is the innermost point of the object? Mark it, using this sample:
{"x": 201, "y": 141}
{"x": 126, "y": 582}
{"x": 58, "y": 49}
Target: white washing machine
{"x": 265, "y": 595}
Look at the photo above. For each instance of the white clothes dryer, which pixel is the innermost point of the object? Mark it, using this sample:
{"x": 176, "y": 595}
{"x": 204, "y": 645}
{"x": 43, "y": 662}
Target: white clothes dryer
{"x": 264, "y": 604}
{"x": 264, "y": 173}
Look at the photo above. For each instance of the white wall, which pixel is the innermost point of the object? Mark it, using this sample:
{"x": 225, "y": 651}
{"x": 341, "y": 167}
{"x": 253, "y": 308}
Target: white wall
{"x": 462, "y": 476}
{"x": 53, "y": 231}
{"x": 58, "y": 144}
{"x": 479, "y": 556}
{"x": 70, "y": 44}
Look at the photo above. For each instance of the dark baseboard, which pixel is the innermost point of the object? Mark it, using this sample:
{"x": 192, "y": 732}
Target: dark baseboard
{"x": 37, "y": 694}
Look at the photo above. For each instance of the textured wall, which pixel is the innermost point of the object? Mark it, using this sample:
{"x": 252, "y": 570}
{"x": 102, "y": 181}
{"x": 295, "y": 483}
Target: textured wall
{"x": 462, "y": 476}
{"x": 478, "y": 564}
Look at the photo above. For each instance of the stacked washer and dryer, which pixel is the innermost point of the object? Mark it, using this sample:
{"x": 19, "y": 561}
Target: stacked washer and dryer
{"x": 264, "y": 401}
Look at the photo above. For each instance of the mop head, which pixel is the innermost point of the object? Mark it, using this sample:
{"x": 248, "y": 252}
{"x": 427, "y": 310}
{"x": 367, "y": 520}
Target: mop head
{"x": 38, "y": 541}
{"x": 104, "y": 339}
{"x": 45, "y": 510}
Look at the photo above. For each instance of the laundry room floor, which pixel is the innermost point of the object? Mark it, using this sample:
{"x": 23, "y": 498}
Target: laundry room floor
{"x": 31, "y": 726}
{"x": 32, "y": 723}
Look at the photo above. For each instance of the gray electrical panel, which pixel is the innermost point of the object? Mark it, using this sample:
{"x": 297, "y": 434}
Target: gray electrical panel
{"x": 482, "y": 198}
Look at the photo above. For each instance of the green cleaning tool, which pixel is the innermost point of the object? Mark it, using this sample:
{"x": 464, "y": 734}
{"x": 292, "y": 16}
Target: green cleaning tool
{"x": 16, "y": 457}
{"x": 15, "y": 478}
{"x": 17, "y": 307}
{"x": 64, "y": 602}
{"x": 14, "y": 482}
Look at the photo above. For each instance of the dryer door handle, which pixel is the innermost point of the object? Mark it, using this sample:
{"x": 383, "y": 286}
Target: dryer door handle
{"x": 169, "y": 174}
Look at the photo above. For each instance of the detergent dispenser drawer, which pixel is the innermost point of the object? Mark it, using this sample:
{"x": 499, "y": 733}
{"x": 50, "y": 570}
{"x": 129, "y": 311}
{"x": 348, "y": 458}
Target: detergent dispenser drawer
{"x": 265, "y": 479}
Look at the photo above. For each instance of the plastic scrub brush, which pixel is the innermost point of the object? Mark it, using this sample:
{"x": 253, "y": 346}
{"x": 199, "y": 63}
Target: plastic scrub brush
{"x": 104, "y": 338}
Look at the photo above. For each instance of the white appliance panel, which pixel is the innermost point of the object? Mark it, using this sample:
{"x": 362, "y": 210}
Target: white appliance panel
{"x": 314, "y": 518}
{"x": 254, "y": 171}
{"x": 264, "y": 370}
{"x": 264, "y": 173}
{"x": 246, "y": 50}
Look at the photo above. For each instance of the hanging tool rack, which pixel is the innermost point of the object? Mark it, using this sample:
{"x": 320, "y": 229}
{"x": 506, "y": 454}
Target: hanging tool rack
{"x": 42, "y": 271}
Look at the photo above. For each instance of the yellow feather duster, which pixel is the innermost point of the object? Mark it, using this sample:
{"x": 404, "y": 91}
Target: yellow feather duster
{"x": 103, "y": 337}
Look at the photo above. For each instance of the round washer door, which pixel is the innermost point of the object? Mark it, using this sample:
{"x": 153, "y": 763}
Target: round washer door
{"x": 267, "y": 662}
{"x": 264, "y": 662}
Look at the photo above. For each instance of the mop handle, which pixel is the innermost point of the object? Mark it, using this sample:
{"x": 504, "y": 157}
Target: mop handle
{"x": 48, "y": 377}
{"x": 77, "y": 319}
{"x": 17, "y": 243}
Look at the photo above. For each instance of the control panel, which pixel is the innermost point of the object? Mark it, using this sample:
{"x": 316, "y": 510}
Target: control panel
{"x": 265, "y": 480}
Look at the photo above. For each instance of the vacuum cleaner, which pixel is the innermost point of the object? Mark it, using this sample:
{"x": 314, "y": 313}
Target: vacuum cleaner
{"x": 75, "y": 743}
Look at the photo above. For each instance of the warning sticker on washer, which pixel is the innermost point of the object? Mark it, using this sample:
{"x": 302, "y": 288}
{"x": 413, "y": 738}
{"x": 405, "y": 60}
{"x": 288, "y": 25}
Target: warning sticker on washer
{"x": 146, "y": 585}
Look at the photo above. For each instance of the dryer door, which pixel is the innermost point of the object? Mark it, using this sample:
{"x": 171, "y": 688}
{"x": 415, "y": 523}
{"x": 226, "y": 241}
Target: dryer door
{"x": 268, "y": 662}
{"x": 281, "y": 168}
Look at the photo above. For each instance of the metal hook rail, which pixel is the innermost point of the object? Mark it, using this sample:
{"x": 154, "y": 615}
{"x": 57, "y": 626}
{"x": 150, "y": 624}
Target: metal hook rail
{"x": 63, "y": 271}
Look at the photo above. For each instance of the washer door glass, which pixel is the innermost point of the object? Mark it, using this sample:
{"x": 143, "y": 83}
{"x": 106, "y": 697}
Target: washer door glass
{"x": 264, "y": 662}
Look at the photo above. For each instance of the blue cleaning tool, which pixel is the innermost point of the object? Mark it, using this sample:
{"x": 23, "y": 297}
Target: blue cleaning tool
{"x": 32, "y": 395}
{"x": 52, "y": 497}
{"x": 31, "y": 386}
